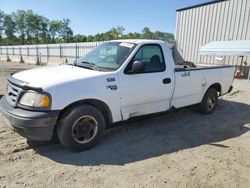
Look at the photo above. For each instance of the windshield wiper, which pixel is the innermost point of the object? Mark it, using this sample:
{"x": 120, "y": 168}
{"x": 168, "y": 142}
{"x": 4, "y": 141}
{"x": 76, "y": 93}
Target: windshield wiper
{"x": 89, "y": 65}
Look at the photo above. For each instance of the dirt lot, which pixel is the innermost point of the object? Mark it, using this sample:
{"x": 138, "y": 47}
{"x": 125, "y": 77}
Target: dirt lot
{"x": 178, "y": 149}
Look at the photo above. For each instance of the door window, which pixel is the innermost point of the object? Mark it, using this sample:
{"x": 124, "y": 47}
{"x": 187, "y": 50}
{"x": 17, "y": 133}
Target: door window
{"x": 152, "y": 57}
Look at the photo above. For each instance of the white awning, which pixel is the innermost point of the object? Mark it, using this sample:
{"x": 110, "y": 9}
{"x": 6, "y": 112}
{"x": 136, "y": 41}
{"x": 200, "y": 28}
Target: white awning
{"x": 226, "y": 48}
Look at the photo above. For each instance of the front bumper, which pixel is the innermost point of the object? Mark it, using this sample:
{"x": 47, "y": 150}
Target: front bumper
{"x": 32, "y": 125}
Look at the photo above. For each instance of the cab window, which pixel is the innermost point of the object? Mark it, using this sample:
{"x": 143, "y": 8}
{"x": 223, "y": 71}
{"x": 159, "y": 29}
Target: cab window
{"x": 152, "y": 57}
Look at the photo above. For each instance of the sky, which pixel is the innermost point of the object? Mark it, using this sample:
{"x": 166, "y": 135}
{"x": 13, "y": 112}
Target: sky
{"x": 96, "y": 16}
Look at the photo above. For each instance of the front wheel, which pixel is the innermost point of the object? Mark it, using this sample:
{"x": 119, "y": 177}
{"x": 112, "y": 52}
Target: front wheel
{"x": 209, "y": 101}
{"x": 80, "y": 128}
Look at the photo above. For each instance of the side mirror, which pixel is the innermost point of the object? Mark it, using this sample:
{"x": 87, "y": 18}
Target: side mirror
{"x": 138, "y": 67}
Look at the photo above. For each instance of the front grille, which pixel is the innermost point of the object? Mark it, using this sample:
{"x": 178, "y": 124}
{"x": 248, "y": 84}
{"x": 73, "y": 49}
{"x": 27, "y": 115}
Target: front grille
{"x": 13, "y": 93}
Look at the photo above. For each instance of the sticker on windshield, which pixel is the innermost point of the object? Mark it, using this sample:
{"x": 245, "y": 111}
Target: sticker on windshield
{"x": 128, "y": 45}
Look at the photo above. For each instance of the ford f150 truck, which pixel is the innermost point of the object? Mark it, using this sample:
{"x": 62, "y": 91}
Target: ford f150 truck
{"x": 115, "y": 81}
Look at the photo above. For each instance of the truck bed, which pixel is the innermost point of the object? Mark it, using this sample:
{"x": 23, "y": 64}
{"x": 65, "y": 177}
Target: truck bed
{"x": 191, "y": 83}
{"x": 186, "y": 65}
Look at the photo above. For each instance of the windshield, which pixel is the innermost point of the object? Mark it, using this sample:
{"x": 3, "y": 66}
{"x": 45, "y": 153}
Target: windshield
{"x": 108, "y": 55}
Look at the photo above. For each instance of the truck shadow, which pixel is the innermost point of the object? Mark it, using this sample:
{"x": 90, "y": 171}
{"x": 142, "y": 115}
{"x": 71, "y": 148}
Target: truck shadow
{"x": 159, "y": 135}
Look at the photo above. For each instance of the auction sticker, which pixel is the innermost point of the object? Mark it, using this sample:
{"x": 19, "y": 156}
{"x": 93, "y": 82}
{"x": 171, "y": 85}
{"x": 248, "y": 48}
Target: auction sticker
{"x": 128, "y": 45}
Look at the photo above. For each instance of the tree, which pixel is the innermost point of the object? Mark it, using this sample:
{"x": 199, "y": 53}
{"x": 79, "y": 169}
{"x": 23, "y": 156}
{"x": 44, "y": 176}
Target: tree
{"x": 55, "y": 28}
{"x": 66, "y": 31}
{"x": 21, "y": 26}
{"x": 117, "y": 32}
{"x": 36, "y": 27}
{"x": 79, "y": 38}
{"x": 90, "y": 38}
{"x": 163, "y": 36}
{"x": 44, "y": 31}
{"x": 146, "y": 33}
{"x": 33, "y": 26}
{"x": 9, "y": 28}
{"x": 169, "y": 37}
{"x": 28, "y": 21}
{"x": 1, "y": 25}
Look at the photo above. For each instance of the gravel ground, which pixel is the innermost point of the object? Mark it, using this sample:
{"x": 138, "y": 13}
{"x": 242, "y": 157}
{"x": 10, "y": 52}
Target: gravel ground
{"x": 178, "y": 149}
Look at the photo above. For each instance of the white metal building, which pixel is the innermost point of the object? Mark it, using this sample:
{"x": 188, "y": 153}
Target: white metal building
{"x": 218, "y": 20}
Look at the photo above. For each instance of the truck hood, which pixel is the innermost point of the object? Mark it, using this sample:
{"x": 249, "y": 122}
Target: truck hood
{"x": 47, "y": 76}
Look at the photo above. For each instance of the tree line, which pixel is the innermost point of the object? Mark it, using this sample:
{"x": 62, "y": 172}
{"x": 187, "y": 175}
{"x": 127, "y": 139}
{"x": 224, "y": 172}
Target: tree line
{"x": 26, "y": 27}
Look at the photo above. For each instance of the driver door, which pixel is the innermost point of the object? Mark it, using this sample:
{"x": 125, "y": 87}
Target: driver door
{"x": 148, "y": 91}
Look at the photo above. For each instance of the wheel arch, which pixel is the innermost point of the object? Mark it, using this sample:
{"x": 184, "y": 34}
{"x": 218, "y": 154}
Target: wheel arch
{"x": 100, "y": 105}
{"x": 216, "y": 86}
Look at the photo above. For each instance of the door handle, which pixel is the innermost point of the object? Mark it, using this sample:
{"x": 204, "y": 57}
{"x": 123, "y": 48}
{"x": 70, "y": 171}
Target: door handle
{"x": 166, "y": 80}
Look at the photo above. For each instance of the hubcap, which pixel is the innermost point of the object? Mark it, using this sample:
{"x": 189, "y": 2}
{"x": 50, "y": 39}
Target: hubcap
{"x": 211, "y": 102}
{"x": 84, "y": 129}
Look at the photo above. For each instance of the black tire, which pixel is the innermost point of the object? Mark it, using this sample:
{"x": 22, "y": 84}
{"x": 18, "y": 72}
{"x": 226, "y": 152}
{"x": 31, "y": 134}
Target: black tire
{"x": 80, "y": 128}
{"x": 209, "y": 102}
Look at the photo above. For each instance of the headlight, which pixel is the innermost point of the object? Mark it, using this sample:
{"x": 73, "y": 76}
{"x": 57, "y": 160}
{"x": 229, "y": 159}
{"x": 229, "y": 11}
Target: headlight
{"x": 37, "y": 100}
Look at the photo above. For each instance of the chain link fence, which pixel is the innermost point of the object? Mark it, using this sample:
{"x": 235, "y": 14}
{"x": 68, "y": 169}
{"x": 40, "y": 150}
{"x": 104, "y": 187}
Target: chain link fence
{"x": 44, "y": 52}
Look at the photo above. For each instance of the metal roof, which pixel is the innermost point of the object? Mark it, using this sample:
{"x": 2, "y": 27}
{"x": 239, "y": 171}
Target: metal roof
{"x": 200, "y": 5}
{"x": 228, "y": 48}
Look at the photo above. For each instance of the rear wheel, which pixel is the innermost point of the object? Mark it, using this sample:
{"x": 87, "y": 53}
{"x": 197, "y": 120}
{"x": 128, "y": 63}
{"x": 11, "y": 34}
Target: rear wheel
{"x": 209, "y": 101}
{"x": 80, "y": 128}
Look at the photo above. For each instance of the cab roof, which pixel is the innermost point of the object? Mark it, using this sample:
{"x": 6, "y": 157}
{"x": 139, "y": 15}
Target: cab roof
{"x": 138, "y": 41}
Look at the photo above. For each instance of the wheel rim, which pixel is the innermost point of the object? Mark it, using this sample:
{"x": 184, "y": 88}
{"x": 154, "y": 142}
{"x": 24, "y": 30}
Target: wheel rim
{"x": 84, "y": 129}
{"x": 211, "y": 101}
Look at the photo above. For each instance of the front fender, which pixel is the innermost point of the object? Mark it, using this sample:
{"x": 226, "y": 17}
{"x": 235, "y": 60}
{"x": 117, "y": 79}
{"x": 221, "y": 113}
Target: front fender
{"x": 96, "y": 89}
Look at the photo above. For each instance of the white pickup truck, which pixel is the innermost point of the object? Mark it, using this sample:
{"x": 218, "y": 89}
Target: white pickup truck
{"x": 115, "y": 81}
